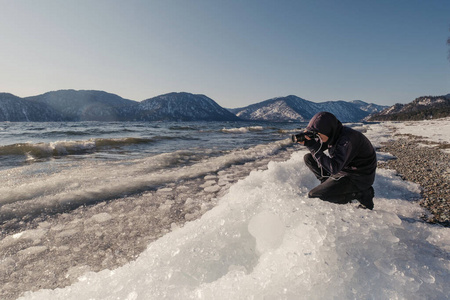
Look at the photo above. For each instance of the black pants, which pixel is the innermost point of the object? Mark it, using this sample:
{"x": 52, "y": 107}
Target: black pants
{"x": 333, "y": 189}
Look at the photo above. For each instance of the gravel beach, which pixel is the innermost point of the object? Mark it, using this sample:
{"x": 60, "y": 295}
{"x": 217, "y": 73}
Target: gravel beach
{"x": 426, "y": 164}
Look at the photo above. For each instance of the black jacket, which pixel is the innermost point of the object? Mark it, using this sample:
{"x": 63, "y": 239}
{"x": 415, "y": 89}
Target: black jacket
{"x": 350, "y": 152}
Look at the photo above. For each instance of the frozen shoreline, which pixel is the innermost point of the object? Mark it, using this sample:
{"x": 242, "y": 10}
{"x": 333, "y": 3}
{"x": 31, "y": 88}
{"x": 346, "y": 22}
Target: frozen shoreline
{"x": 109, "y": 234}
{"x": 36, "y": 259}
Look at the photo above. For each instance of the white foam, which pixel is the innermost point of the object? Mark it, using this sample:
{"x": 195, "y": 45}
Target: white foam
{"x": 242, "y": 129}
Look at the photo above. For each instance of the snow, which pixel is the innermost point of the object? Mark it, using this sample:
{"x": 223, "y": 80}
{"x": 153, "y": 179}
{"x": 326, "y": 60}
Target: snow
{"x": 432, "y": 130}
{"x": 266, "y": 239}
{"x": 429, "y": 101}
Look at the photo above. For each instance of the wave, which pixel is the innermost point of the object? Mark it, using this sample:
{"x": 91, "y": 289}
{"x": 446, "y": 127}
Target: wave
{"x": 82, "y": 131}
{"x": 183, "y": 128}
{"x": 286, "y": 131}
{"x": 41, "y": 150}
{"x": 242, "y": 129}
{"x": 63, "y": 148}
{"x": 125, "y": 141}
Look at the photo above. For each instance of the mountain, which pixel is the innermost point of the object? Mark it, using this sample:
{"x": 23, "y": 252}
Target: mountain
{"x": 371, "y": 108}
{"x": 421, "y": 108}
{"x": 288, "y": 108}
{"x": 293, "y": 108}
{"x": 15, "y": 109}
{"x": 182, "y": 107}
{"x": 89, "y": 105}
{"x": 85, "y": 105}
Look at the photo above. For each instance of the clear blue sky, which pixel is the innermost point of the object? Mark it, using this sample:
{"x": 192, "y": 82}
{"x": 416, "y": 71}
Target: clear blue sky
{"x": 238, "y": 52}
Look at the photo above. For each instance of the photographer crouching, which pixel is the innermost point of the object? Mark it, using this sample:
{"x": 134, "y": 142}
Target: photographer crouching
{"x": 348, "y": 171}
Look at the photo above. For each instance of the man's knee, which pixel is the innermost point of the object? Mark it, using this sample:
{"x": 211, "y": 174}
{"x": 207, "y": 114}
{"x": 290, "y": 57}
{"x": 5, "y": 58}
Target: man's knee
{"x": 309, "y": 160}
{"x": 307, "y": 157}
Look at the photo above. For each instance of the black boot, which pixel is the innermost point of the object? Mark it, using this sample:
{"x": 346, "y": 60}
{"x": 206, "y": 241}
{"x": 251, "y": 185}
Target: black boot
{"x": 366, "y": 198}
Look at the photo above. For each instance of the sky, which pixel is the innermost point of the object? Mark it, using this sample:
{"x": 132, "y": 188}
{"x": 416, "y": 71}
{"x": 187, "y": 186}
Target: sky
{"x": 236, "y": 52}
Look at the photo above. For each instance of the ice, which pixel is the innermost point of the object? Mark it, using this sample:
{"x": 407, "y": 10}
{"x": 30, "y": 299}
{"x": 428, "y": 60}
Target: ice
{"x": 32, "y": 237}
{"x": 101, "y": 217}
{"x": 212, "y": 189}
{"x": 73, "y": 186}
{"x": 265, "y": 239}
{"x": 32, "y": 250}
{"x": 383, "y": 157}
{"x": 268, "y": 231}
{"x": 66, "y": 233}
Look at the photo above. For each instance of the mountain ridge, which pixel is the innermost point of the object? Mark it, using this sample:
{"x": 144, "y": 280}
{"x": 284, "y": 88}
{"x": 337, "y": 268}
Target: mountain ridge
{"x": 292, "y": 108}
{"x": 93, "y": 105}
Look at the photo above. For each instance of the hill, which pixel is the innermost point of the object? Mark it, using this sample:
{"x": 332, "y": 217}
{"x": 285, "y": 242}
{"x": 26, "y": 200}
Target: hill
{"x": 182, "y": 107}
{"x": 293, "y": 108}
{"x": 15, "y": 109}
{"x": 426, "y": 107}
{"x": 85, "y": 105}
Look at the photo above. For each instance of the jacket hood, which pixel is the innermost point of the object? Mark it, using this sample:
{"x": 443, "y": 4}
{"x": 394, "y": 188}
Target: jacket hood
{"x": 326, "y": 123}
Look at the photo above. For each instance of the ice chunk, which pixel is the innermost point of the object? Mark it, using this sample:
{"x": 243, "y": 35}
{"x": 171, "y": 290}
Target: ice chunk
{"x": 385, "y": 266}
{"x": 208, "y": 183}
{"x": 268, "y": 231}
{"x": 212, "y": 189}
{"x": 67, "y": 233}
{"x": 101, "y": 217}
{"x": 77, "y": 271}
{"x": 35, "y": 236}
{"x": 32, "y": 250}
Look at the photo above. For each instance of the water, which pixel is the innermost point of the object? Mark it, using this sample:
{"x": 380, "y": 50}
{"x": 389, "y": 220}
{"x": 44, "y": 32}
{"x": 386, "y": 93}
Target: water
{"x": 22, "y": 143}
{"x": 48, "y": 168}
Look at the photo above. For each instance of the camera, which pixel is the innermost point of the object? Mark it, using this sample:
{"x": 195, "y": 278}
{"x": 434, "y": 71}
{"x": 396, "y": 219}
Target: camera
{"x": 301, "y": 137}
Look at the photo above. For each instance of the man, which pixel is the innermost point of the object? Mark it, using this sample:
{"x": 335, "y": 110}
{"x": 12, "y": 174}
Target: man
{"x": 348, "y": 171}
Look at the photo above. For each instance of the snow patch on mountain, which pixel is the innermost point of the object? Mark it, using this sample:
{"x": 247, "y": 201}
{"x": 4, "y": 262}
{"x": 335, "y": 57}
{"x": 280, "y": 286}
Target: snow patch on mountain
{"x": 426, "y": 107}
{"x": 182, "y": 107}
{"x": 293, "y": 108}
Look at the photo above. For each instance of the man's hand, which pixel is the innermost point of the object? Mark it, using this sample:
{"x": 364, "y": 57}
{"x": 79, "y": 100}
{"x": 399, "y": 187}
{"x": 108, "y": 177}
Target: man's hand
{"x": 306, "y": 137}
